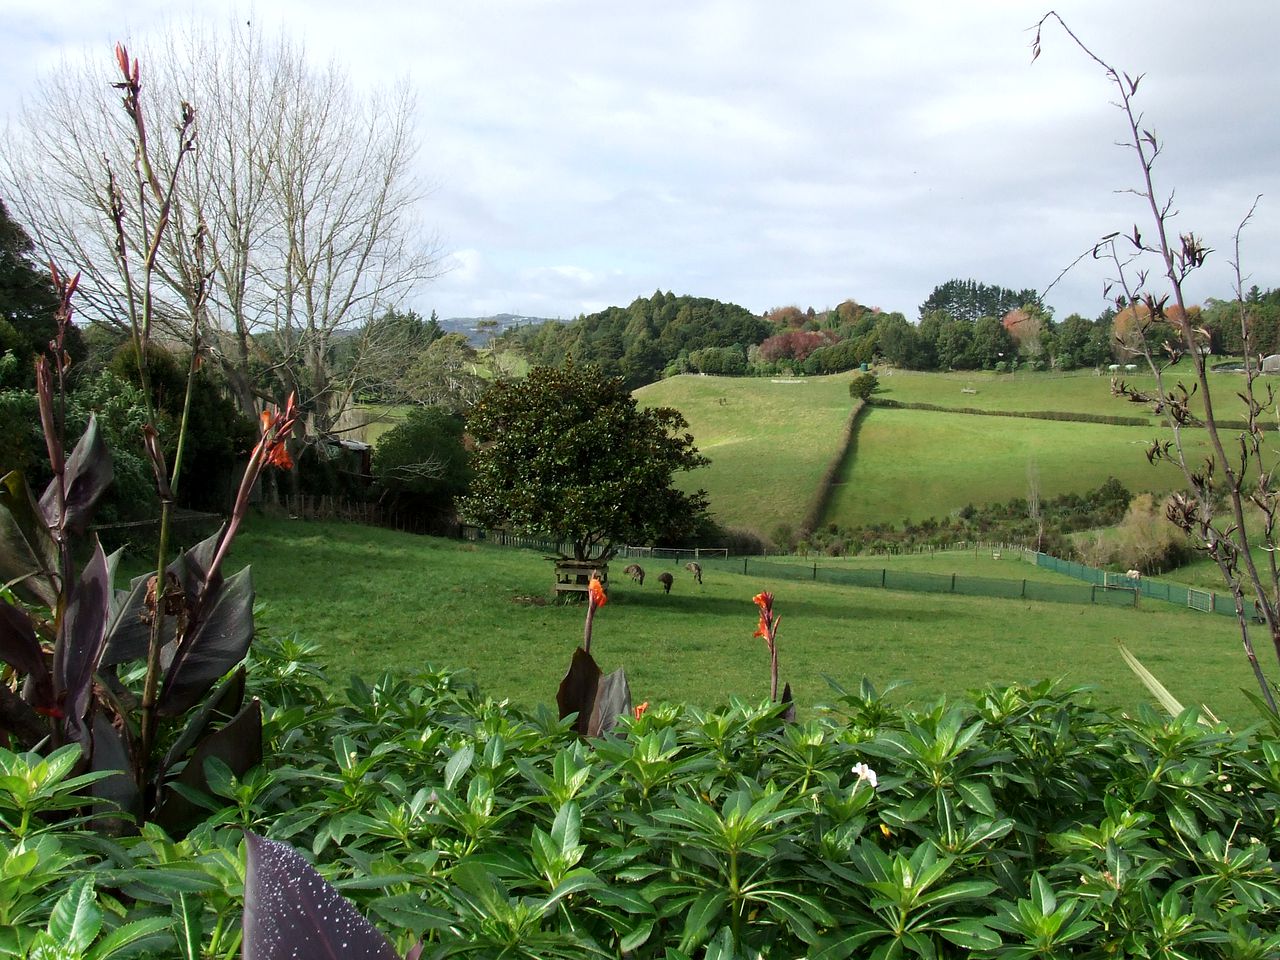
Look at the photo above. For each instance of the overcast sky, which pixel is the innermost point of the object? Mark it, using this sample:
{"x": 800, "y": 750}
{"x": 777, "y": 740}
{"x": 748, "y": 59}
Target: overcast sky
{"x": 584, "y": 153}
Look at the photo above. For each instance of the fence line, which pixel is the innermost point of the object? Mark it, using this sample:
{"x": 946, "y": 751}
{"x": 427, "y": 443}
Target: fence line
{"x": 960, "y": 584}
{"x": 1207, "y": 601}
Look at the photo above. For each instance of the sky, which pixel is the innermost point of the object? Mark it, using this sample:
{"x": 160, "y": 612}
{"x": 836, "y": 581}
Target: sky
{"x": 583, "y": 153}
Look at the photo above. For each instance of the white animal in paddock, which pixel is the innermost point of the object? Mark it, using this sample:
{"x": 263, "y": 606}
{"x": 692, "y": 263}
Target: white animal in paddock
{"x": 695, "y": 569}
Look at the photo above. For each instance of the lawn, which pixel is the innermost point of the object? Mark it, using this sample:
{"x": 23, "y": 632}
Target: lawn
{"x": 918, "y": 463}
{"x": 379, "y": 600}
{"x": 769, "y": 441}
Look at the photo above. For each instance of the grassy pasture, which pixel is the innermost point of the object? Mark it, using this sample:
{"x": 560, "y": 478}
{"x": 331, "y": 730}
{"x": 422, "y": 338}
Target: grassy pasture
{"x": 920, "y": 463}
{"x": 769, "y": 442}
{"x": 378, "y": 600}
{"x": 1081, "y": 391}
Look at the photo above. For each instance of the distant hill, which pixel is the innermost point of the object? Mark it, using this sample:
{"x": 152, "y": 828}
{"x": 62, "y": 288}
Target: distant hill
{"x": 476, "y": 331}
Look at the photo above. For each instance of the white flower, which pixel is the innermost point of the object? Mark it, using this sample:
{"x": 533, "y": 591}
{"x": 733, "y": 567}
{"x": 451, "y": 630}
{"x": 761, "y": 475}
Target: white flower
{"x": 863, "y": 772}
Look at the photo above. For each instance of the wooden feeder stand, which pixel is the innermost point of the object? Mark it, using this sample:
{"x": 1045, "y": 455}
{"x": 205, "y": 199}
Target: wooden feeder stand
{"x": 572, "y": 576}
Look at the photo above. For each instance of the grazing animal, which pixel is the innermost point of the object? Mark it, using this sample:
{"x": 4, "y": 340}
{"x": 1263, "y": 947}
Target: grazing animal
{"x": 666, "y": 580}
{"x": 1134, "y": 574}
{"x": 695, "y": 569}
{"x": 635, "y": 572}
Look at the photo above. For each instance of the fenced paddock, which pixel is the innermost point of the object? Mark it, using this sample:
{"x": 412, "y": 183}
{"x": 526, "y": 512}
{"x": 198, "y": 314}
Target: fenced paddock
{"x": 1205, "y": 601}
{"x": 910, "y": 581}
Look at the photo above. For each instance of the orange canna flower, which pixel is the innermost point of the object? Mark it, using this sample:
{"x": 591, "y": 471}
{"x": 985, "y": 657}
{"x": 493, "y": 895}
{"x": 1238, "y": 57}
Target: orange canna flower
{"x": 595, "y": 590}
{"x": 278, "y": 455}
{"x": 640, "y": 710}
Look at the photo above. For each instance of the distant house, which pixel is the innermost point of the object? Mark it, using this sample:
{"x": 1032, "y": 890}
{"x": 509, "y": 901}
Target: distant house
{"x": 1271, "y": 364}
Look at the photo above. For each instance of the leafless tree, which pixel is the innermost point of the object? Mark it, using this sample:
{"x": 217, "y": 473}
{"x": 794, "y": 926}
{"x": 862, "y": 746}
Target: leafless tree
{"x": 302, "y": 189}
{"x": 1231, "y": 503}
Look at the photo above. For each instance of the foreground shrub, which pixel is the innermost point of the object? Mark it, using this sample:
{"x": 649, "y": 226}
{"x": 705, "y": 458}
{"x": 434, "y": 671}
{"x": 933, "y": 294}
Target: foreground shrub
{"x": 1018, "y": 822}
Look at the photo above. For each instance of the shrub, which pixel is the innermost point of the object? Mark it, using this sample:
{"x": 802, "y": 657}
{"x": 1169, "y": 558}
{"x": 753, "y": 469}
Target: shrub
{"x": 863, "y": 386}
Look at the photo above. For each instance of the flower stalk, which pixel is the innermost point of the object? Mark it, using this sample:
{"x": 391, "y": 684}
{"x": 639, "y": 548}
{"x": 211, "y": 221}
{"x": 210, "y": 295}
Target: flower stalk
{"x": 768, "y": 629}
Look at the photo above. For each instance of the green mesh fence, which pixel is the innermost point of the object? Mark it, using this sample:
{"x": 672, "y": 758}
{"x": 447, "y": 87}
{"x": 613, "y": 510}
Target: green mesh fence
{"x": 1206, "y": 600}
{"x": 916, "y": 582}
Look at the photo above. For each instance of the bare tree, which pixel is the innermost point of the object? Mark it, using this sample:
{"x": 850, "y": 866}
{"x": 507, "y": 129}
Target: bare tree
{"x": 1231, "y": 503}
{"x": 301, "y": 189}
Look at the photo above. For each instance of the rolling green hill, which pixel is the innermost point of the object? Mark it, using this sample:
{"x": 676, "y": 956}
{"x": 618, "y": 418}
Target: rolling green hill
{"x": 770, "y": 441}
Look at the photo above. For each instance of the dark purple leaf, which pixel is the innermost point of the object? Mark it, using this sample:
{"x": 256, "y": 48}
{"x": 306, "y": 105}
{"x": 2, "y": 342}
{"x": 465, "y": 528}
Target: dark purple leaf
{"x": 290, "y": 911}
{"x": 212, "y": 645}
{"x": 788, "y": 714}
{"x": 192, "y": 566}
{"x": 119, "y": 794}
{"x": 577, "y": 693}
{"x": 28, "y": 556}
{"x": 88, "y": 474}
{"x": 415, "y": 952}
{"x": 20, "y": 648}
{"x": 224, "y": 704}
{"x": 238, "y": 744}
{"x": 128, "y": 626}
{"x": 81, "y": 640}
{"x": 613, "y": 700}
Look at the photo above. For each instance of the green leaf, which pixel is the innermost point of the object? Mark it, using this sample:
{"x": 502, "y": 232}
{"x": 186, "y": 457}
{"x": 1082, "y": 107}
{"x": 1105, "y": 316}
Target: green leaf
{"x": 970, "y": 934}
{"x": 190, "y": 934}
{"x": 458, "y": 764}
{"x": 129, "y": 935}
{"x": 76, "y": 919}
{"x": 702, "y": 912}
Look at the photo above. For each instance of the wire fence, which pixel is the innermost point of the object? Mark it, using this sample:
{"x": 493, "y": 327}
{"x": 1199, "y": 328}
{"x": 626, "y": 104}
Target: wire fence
{"x": 1208, "y": 601}
{"x": 954, "y": 583}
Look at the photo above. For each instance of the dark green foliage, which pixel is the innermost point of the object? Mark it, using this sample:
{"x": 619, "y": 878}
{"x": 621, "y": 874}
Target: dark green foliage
{"x": 1065, "y": 415}
{"x": 569, "y": 453}
{"x": 421, "y": 463}
{"x": 218, "y": 436}
{"x": 638, "y": 341}
{"x": 1008, "y": 522}
{"x": 967, "y": 300}
{"x": 863, "y": 386}
{"x": 27, "y": 298}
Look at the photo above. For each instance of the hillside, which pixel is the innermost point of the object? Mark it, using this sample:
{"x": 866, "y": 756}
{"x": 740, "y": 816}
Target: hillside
{"x": 770, "y": 441}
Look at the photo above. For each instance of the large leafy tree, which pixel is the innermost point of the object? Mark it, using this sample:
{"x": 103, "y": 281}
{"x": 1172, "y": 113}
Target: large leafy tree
{"x": 27, "y": 298}
{"x": 569, "y": 453}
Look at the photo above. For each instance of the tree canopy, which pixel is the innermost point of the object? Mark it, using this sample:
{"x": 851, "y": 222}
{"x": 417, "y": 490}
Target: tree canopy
{"x": 968, "y": 300}
{"x": 569, "y": 453}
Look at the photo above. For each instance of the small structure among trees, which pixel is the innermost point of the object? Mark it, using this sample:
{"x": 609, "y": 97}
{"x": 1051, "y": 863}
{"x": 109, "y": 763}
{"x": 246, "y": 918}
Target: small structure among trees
{"x": 569, "y": 453}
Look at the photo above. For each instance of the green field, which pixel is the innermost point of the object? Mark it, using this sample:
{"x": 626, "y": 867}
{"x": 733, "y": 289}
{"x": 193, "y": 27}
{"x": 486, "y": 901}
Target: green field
{"x": 374, "y": 599}
{"x": 919, "y": 463}
{"x": 1080, "y": 391}
{"x": 769, "y": 442}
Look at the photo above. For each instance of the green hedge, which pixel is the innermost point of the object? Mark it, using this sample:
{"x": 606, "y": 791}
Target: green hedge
{"x": 1068, "y": 415}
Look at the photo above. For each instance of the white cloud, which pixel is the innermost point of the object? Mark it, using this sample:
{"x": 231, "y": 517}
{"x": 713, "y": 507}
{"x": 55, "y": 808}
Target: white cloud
{"x": 778, "y": 153}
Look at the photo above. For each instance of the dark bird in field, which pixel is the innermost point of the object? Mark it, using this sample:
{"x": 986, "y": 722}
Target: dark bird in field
{"x": 666, "y": 580}
{"x": 695, "y": 569}
{"x": 635, "y": 572}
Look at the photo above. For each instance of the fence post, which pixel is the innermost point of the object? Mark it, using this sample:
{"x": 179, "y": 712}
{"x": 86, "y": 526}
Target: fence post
{"x": 953, "y": 583}
{"x": 744, "y": 566}
{"x": 884, "y": 572}
{"x": 1024, "y": 589}
{"x": 815, "y": 571}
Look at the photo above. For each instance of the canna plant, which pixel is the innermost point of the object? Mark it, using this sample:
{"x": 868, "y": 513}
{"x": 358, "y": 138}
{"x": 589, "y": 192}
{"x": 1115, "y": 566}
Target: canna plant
{"x": 767, "y": 628}
{"x": 597, "y": 699}
{"x": 67, "y": 635}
